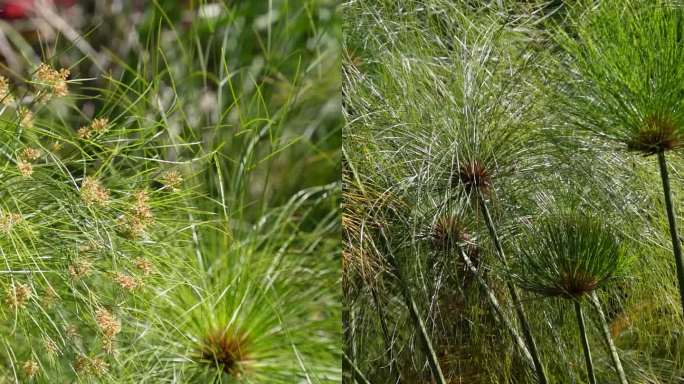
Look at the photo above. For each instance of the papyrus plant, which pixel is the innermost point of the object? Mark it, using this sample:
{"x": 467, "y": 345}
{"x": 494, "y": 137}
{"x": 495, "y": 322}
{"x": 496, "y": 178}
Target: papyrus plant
{"x": 625, "y": 81}
{"x": 569, "y": 256}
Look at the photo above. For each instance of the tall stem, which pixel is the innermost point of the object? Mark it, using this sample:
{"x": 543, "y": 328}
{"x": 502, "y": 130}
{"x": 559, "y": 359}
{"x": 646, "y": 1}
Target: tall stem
{"x": 418, "y": 323}
{"x": 497, "y": 308}
{"x": 386, "y": 336}
{"x": 519, "y": 309}
{"x": 585, "y": 343}
{"x": 676, "y": 244}
{"x": 609, "y": 339}
{"x": 348, "y": 361}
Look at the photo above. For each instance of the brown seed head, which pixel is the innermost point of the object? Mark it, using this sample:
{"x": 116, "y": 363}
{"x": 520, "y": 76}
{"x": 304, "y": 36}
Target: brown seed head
{"x": 573, "y": 285}
{"x": 127, "y": 282}
{"x": 172, "y": 179}
{"x": 17, "y": 295}
{"x": 474, "y": 177}
{"x": 447, "y": 232}
{"x": 5, "y": 93}
{"x": 30, "y": 368}
{"x": 90, "y": 366}
{"x": 25, "y": 168}
{"x": 51, "y": 80}
{"x": 8, "y": 220}
{"x": 225, "y": 349}
{"x": 656, "y": 134}
{"x": 93, "y": 192}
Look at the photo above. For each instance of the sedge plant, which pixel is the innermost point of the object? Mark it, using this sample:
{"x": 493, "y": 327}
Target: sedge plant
{"x": 625, "y": 84}
{"x": 569, "y": 256}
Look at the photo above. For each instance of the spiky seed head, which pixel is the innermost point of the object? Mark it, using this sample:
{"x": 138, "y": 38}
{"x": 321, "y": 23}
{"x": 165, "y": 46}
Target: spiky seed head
{"x": 8, "y": 220}
{"x": 52, "y": 81}
{"x": 80, "y": 269}
{"x": 657, "y": 133}
{"x": 25, "y": 118}
{"x": 127, "y": 282}
{"x": 227, "y": 350}
{"x": 30, "y": 368}
{"x": 144, "y": 265}
{"x": 93, "y": 192}
{"x": 25, "y": 168}
{"x": 172, "y": 179}
{"x": 18, "y": 294}
{"x": 6, "y": 97}
{"x": 90, "y": 366}
{"x": 447, "y": 232}
{"x": 568, "y": 255}
{"x": 474, "y": 177}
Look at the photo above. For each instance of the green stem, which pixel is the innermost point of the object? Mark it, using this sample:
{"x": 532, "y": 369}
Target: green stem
{"x": 497, "y": 308}
{"x": 348, "y": 361}
{"x": 414, "y": 313}
{"x": 609, "y": 339}
{"x": 357, "y": 372}
{"x": 585, "y": 343}
{"x": 519, "y": 309}
{"x": 386, "y": 337}
{"x": 676, "y": 245}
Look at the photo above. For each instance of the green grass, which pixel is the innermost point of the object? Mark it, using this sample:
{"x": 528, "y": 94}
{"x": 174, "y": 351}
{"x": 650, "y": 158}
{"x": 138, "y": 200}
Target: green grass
{"x": 243, "y": 253}
{"x": 432, "y": 86}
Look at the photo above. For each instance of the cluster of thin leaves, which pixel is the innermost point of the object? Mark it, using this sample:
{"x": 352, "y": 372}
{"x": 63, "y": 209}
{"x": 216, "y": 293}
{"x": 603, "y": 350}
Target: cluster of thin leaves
{"x": 455, "y": 108}
{"x": 153, "y": 235}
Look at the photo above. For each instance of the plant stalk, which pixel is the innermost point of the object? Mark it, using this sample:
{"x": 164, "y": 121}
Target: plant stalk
{"x": 386, "y": 336}
{"x": 676, "y": 244}
{"x": 497, "y": 308}
{"x": 418, "y": 323}
{"x": 519, "y": 309}
{"x": 609, "y": 339}
{"x": 585, "y": 343}
{"x": 348, "y": 361}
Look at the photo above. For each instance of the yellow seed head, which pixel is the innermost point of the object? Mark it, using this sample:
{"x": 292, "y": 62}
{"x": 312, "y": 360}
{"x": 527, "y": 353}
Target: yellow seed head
{"x": 30, "y": 368}
{"x": 52, "y": 81}
{"x": 93, "y": 193}
{"x": 8, "y": 221}
{"x": 127, "y": 282}
{"x": 144, "y": 265}
{"x": 25, "y": 118}
{"x": 91, "y": 366}
{"x": 17, "y": 295}
{"x": 25, "y": 168}
{"x": 29, "y": 154}
{"x": 80, "y": 269}
{"x": 172, "y": 179}
{"x": 5, "y": 93}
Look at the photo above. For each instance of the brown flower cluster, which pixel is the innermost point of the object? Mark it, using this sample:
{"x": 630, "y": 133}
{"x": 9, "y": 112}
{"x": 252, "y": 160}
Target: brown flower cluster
{"x": 18, "y": 294}
{"x": 5, "y": 92}
{"x": 139, "y": 218}
{"x": 90, "y": 366}
{"x": 96, "y": 127}
{"x": 25, "y": 159}
{"x": 53, "y": 82}
{"x": 144, "y": 265}
{"x": 30, "y": 368}
{"x": 109, "y": 326}
{"x": 80, "y": 269}
{"x": 128, "y": 282}
{"x": 8, "y": 221}
{"x": 93, "y": 192}
{"x": 172, "y": 179}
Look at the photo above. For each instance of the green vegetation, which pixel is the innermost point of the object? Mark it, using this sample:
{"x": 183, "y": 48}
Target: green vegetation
{"x": 499, "y": 164}
{"x": 169, "y": 210}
